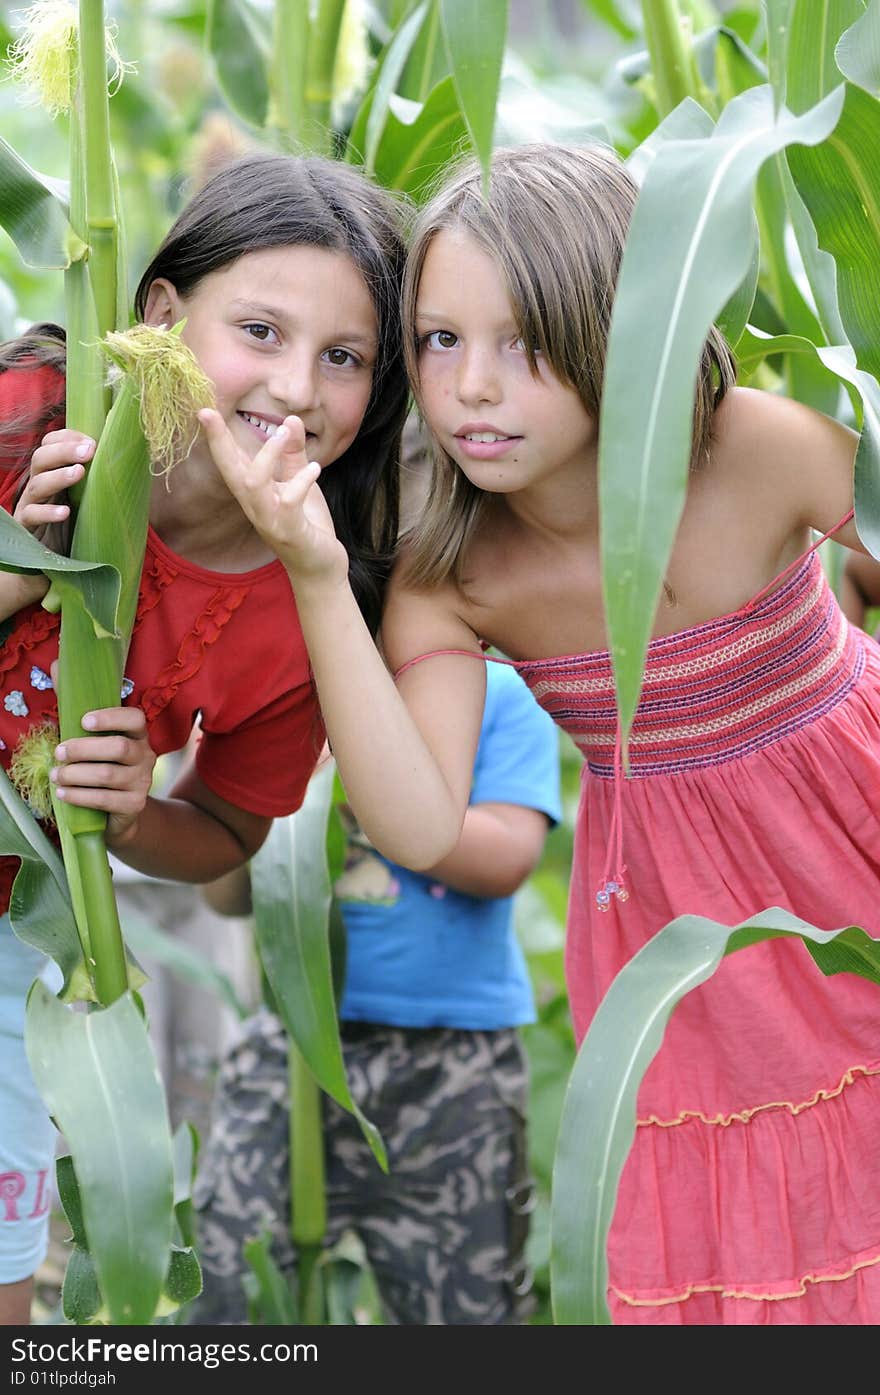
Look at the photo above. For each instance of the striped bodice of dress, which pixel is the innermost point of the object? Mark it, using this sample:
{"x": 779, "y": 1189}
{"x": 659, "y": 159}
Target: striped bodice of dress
{"x": 716, "y": 691}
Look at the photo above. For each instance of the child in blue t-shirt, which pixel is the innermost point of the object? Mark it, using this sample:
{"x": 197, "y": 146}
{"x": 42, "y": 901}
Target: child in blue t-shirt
{"x": 436, "y": 987}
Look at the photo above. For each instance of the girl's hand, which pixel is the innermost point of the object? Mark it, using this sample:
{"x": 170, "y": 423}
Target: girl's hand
{"x": 56, "y": 464}
{"x": 278, "y": 492}
{"x": 110, "y": 770}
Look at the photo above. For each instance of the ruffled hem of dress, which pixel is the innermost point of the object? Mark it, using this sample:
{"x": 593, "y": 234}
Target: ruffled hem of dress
{"x": 743, "y": 1116}
{"x": 760, "y": 1292}
{"x": 710, "y": 1220}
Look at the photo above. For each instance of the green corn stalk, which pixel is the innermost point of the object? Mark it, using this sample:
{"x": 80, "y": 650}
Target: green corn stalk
{"x": 288, "y": 71}
{"x": 673, "y": 67}
{"x": 111, "y": 526}
{"x": 323, "y": 41}
{"x": 153, "y": 418}
{"x": 90, "y": 288}
{"x": 308, "y": 1200}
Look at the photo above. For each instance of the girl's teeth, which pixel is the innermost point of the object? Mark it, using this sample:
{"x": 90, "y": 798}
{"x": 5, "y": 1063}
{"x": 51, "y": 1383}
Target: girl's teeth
{"x": 485, "y": 437}
{"x": 269, "y": 427}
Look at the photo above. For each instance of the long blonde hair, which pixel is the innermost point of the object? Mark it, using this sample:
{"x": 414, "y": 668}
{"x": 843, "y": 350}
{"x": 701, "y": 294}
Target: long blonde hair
{"x": 555, "y": 222}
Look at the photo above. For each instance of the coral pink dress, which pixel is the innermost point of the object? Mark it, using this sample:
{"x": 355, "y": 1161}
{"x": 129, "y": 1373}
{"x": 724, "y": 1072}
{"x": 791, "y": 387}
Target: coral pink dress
{"x": 751, "y": 1193}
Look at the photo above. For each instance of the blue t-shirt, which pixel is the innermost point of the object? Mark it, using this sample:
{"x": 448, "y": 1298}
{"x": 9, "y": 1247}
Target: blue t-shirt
{"x": 423, "y": 955}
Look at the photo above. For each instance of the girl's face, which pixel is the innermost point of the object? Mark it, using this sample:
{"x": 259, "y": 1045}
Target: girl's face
{"x": 505, "y": 426}
{"x": 281, "y": 331}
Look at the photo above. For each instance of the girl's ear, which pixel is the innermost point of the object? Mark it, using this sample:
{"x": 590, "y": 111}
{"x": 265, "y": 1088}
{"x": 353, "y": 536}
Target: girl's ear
{"x": 163, "y": 305}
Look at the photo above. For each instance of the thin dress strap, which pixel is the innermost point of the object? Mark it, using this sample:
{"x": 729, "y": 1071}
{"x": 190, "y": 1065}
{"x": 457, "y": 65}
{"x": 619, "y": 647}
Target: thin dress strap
{"x": 465, "y": 653}
{"x": 797, "y": 561}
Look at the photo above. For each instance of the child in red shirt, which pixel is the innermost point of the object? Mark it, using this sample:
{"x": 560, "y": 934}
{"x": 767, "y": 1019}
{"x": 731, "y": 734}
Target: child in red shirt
{"x": 287, "y": 273}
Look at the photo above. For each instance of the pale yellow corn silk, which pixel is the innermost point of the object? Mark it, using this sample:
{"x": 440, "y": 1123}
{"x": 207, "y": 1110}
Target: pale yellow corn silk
{"x": 43, "y": 56}
{"x": 32, "y": 759}
{"x": 171, "y": 385}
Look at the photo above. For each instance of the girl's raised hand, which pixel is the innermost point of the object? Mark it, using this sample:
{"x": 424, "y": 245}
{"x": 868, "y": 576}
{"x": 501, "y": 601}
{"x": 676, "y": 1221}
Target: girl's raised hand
{"x": 110, "y": 770}
{"x": 278, "y": 492}
{"x": 56, "y": 464}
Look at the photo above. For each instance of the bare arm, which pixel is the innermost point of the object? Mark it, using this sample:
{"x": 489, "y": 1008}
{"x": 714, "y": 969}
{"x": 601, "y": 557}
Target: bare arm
{"x": 405, "y": 752}
{"x": 191, "y": 836}
{"x": 500, "y": 845}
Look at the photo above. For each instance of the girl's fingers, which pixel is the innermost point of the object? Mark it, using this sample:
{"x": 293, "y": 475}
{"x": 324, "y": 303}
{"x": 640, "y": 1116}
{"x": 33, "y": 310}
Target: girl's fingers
{"x": 52, "y": 454}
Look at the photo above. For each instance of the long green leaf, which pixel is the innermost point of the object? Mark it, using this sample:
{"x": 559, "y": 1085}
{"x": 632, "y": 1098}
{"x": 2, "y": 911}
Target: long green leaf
{"x": 97, "y": 582}
{"x": 97, "y": 1075}
{"x": 418, "y": 141}
{"x": 238, "y": 41}
{"x": 867, "y": 467}
{"x": 291, "y": 895}
{"x": 672, "y": 285}
{"x": 839, "y": 181}
{"x": 387, "y": 80}
{"x": 858, "y": 51}
{"x": 814, "y": 27}
{"x": 599, "y": 1115}
{"x": 33, "y": 210}
{"x": 475, "y": 37}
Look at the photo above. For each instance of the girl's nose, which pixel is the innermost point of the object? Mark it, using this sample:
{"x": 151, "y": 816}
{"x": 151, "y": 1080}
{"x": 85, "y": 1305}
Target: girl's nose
{"x": 478, "y": 378}
{"x": 294, "y": 383}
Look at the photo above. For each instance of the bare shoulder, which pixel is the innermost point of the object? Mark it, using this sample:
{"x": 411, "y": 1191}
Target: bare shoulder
{"x": 776, "y": 446}
{"x": 775, "y": 426}
{"x": 421, "y": 619}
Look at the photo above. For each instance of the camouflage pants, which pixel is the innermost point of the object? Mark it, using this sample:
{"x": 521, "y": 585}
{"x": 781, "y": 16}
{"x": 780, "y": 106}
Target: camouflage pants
{"x": 444, "y": 1231}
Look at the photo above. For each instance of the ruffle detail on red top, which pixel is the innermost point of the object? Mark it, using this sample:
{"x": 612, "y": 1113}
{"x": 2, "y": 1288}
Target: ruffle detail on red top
{"x": 767, "y": 1235}
{"x": 32, "y": 631}
{"x": 154, "y": 580}
{"x": 205, "y": 632}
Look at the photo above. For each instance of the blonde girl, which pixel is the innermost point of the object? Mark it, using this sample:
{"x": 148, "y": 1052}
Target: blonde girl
{"x": 749, "y": 1196}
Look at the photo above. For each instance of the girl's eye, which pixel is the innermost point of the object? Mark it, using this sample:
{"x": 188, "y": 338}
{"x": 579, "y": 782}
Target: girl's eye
{"x": 440, "y": 339}
{"x": 341, "y": 358}
{"x": 520, "y": 346}
{"x": 262, "y": 332}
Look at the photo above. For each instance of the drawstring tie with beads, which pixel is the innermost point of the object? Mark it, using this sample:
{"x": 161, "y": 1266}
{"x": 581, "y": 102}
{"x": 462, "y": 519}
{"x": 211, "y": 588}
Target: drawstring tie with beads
{"x": 613, "y": 883}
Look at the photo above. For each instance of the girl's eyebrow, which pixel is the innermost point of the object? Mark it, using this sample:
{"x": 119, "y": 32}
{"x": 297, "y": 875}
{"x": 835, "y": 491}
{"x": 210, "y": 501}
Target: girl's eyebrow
{"x": 273, "y": 312}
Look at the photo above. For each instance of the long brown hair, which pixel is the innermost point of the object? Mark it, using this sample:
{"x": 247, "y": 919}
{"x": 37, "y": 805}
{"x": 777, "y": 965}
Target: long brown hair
{"x": 555, "y": 222}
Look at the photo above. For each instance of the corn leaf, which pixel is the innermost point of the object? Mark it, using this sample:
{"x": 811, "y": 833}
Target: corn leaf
{"x": 599, "y": 1115}
{"x": 839, "y": 181}
{"x": 417, "y": 141}
{"x": 385, "y": 86}
{"x": 33, "y": 210}
{"x": 475, "y": 37}
{"x": 237, "y": 36}
{"x": 814, "y": 27}
{"x": 858, "y": 51}
{"x": 670, "y": 289}
{"x": 96, "y": 582}
{"x": 291, "y": 894}
{"x": 841, "y": 360}
{"x": 97, "y": 1075}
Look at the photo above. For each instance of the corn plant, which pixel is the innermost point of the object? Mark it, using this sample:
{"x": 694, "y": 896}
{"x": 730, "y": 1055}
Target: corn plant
{"x": 95, "y": 1070}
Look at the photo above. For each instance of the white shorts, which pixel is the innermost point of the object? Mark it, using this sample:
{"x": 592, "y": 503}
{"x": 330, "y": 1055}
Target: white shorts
{"x": 27, "y": 1134}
